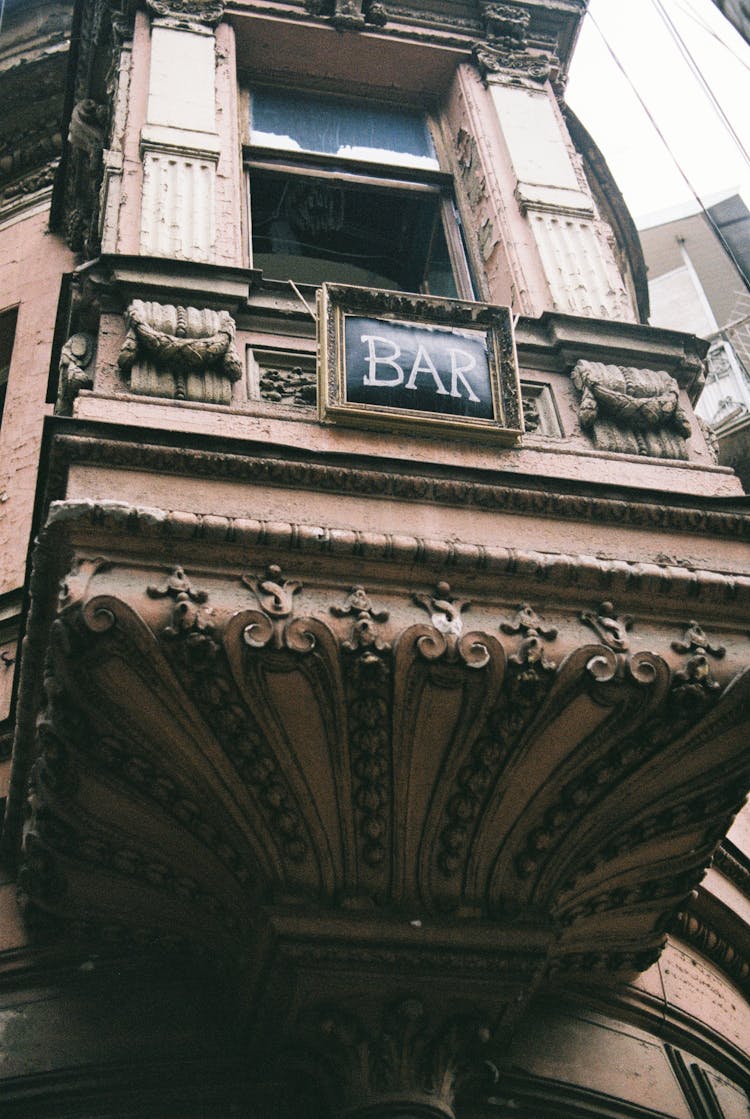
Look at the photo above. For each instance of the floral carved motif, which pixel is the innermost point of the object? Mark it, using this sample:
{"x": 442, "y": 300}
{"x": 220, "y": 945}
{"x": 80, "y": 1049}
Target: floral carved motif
{"x": 289, "y": 386}
{"x": 631, "y": 411}
{"x": 180, "y": 352}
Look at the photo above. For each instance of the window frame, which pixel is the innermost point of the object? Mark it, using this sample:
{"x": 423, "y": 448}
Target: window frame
{"x": 366, "y": 174}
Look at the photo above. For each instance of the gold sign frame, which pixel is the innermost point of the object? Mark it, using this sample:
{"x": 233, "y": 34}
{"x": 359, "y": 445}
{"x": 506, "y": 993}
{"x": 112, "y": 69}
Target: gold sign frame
{"x": 337, "y": 301}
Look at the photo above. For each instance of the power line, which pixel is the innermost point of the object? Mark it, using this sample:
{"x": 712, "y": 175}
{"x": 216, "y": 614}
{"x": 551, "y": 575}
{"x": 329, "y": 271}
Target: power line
{"x": 716, "y": 228}
{"x": 696, "y": 71}
{"x": 691, "y": 13}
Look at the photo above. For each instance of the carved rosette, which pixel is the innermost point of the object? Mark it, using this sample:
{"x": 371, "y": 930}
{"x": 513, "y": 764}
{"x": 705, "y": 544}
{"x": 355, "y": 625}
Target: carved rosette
{"x": 180, "y": 352}
{"x": 631, "y": 411}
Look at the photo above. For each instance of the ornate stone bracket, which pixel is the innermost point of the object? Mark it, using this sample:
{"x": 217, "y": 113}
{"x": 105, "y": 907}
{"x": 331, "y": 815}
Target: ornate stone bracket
{"x": 180, "y": 352}
{"x": 370, "y": 752}
{"x": 631, "y": 411}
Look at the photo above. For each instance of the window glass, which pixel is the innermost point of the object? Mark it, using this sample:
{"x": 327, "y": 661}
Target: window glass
{"x": 310, "y": 123}
{"x": 312, "y": 230}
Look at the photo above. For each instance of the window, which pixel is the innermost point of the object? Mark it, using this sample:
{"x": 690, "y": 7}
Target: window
{"x": 7, "y": 334}
{"x": 351, "y": 193}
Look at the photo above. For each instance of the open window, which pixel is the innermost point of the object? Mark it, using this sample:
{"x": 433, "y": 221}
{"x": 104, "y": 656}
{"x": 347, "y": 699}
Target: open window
{"x": 351, "y": 192}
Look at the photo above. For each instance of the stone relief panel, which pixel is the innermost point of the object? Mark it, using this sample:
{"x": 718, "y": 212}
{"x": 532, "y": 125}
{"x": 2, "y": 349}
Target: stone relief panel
{"x": 631, "y": 411}
{"x": 180, "y": 352}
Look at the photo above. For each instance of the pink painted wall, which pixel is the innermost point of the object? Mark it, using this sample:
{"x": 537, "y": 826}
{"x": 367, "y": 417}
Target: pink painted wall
{"x": 32, "y": 262}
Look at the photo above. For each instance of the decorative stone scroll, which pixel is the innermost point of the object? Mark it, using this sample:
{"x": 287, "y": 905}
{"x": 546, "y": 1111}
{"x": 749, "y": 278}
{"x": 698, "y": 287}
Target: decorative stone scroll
{"x": 631, "y": 411}
{"x": 180, "y": 352}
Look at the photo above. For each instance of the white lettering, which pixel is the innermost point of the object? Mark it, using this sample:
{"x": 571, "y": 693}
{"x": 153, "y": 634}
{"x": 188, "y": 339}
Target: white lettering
{"x": 423, "y": 364}
{"x": 457, "y": 373}
{"x": 371, "y": 377}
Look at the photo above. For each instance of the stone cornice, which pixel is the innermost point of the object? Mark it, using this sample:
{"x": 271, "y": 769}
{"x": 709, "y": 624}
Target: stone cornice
{"x": 713, "y": 516}
{"x": 701, "y": 934}
{"x": 734, "y": 865}
{"x": 584, "y": 572}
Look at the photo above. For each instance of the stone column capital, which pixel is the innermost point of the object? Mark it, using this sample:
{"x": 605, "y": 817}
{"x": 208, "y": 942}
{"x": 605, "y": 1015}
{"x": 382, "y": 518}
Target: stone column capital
{"x": 188, "y": 15}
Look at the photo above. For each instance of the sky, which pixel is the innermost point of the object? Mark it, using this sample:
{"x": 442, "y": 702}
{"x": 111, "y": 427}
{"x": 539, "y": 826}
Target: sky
{"x": 602, "y": 98}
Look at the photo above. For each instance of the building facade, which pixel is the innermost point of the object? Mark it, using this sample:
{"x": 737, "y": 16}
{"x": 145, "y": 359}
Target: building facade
{"x": 377, "y": 680}
{"x": 697, "y": 283}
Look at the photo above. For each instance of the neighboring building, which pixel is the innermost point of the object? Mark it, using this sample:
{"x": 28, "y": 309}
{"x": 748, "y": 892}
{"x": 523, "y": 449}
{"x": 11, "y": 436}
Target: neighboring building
{"x": 377, "y": 758}
{"x": 738, "y": 13}
{"x": 695, "y": 284}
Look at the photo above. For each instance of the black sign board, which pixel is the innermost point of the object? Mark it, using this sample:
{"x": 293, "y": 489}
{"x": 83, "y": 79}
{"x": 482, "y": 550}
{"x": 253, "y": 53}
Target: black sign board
{"x": 396, "y": 359}
{"x": 436, "y": 369}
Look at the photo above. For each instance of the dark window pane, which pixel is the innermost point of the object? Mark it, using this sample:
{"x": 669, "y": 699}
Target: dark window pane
{"x": 7, "y": 334}
{"x": 312, "y": 230}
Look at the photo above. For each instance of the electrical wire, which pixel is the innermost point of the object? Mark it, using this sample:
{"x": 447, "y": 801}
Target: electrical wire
{"x": 697, "y": 73}
{"x": 683, "y": 174}
{"x": 691, "y": 13}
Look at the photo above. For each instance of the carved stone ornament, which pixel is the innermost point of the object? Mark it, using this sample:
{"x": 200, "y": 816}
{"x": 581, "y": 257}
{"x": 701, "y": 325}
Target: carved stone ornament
{"x": 503, "y": 53}
{"x": 95, "y": 79}
{"x": 75, "y": 374}
{"x": 86, "y": 129}
{"x": 187, "y": 13}
{"x": 631, "y": 411}
{"x": 496, "y": 59}
{"x": 400, "y": 1060}
{"x": 350, "y": 14}
{"x": 505, "y": 23}
{"x": 180, "y": 352}
{"x": 289, "y": 386}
